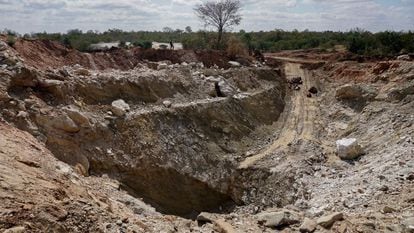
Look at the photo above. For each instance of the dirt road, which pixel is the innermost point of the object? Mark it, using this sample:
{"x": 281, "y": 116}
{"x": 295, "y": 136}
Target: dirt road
{"x": 298, "y": 119}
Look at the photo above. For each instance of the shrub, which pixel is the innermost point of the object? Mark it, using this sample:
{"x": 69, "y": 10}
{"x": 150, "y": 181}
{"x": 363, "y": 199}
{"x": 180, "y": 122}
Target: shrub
{"x": 143, "y": 44}
{"x": 235, "y": 48}
{"x": 11, "y": 40}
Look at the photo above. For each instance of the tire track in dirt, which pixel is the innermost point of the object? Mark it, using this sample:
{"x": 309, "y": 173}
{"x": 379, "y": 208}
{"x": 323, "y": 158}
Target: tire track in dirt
{"x": 297, "y": 120}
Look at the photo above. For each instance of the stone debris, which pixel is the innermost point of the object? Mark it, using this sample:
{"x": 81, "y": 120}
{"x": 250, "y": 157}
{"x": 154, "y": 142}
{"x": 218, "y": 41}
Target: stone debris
{"x": 278, "y": 219}
{"x": 308, "y": 226}
{"x": 408, "y": 224}
{"x": 404, "y": 57}
{"x": 120, "y": 107}
{"x": 64, "y": 122}
{"x": 167, "y": 103}
{"x": 78, "y": 117}
{"x": 327, "y": 221}
{"x": 348, "y": 148}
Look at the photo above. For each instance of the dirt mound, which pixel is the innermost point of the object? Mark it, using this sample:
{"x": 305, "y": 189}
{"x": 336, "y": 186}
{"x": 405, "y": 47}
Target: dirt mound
{"x": 46, "y": 54}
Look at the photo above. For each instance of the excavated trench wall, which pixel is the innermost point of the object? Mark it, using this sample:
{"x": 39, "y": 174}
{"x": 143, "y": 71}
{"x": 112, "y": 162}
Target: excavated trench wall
{"x": 182, "y": 159}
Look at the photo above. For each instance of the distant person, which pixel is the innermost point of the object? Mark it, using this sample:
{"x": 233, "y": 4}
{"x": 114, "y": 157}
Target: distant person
{"x": 171, "y": 45}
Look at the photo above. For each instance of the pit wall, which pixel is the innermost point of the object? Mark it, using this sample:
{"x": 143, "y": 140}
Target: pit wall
{"x": 46, "y": 54}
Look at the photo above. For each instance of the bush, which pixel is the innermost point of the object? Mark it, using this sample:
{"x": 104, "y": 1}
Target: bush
{"x": 143, "y": 44}
{"x": 235, "y": 48}
{"x": 11, "y": 40}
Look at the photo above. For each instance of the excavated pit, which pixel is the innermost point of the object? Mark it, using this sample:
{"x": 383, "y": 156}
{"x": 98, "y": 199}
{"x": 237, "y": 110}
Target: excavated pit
{"x": 182, "y": 158}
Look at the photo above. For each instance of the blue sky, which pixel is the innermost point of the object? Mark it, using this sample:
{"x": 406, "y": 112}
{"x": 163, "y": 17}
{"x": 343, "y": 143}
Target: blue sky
{"x": 62, "y": 15}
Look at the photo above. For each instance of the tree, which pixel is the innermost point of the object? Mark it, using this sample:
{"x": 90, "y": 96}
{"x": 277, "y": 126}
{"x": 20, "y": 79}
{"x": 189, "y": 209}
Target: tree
{"x": 167, "y": 30}
{"x": 221, "y": 14}
{"x": 188, "y": 29}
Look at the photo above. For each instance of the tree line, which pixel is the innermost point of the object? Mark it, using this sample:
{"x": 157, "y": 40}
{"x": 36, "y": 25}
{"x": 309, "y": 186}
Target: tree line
{"x": 358, "y": 41}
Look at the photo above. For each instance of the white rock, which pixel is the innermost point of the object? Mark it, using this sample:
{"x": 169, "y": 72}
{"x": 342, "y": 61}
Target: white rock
{"x": 212, "y": 79}
{"x": 22, "y": 114}
{"x": 119, "y": 107}
{"x": 50, "y": 83}
{"x": 404, "y": 57}
{"x": 167, "y": 103}
{"x": 226, "y": 89}
{"x": 3, "y": 45}
{"x": 234, "y": 63}
{"x": 162, "y": 66}
{"x": 348, "y": 148}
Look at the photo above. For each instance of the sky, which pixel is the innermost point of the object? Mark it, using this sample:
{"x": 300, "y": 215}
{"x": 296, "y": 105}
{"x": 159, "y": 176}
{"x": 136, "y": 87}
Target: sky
{"x": 25, "y": 16}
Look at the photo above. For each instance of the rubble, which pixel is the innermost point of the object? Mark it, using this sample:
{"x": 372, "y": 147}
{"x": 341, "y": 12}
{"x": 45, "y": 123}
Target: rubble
{"x": 327, "y": 221}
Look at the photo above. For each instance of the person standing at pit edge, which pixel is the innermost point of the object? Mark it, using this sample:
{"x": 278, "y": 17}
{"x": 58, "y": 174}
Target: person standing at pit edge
{"x": 171, "y": 45}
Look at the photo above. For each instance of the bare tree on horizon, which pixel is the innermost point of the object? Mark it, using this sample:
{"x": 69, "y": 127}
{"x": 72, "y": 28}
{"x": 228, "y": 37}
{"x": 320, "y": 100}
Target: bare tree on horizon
{"x": 220, "y": 14}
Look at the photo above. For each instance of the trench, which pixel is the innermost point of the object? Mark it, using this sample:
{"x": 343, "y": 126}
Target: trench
{"x": 160, "y": 156}
{"x": 173, "y": 193}
{"x": 177, "y": 171}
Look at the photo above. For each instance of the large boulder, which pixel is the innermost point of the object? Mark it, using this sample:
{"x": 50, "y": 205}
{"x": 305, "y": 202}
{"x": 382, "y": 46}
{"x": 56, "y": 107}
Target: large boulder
{"x": 120, "y": 107}
{"x": 348, "y": 148}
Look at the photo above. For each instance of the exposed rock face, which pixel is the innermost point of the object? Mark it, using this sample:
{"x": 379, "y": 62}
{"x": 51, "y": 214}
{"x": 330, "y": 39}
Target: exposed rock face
{"x": 356, "y": 95}
{"x": 154, "y": 146}
{"x": 401, "y": 92}
{"x": 348, "y": 148}
{"x": 61, "y": 122}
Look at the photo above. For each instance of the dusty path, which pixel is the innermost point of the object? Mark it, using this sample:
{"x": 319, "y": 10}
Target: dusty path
{"x": 298, "y": 119}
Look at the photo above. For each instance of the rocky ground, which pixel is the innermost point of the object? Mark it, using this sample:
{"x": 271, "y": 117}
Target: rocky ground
{"x": 147, "y": 141}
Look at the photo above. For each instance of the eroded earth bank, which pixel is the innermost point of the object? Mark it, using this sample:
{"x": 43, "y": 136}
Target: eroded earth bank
{"x": 186, "y": 141}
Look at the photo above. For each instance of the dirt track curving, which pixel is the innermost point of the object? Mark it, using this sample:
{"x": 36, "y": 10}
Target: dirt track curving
{"x": 298, "y": 119}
